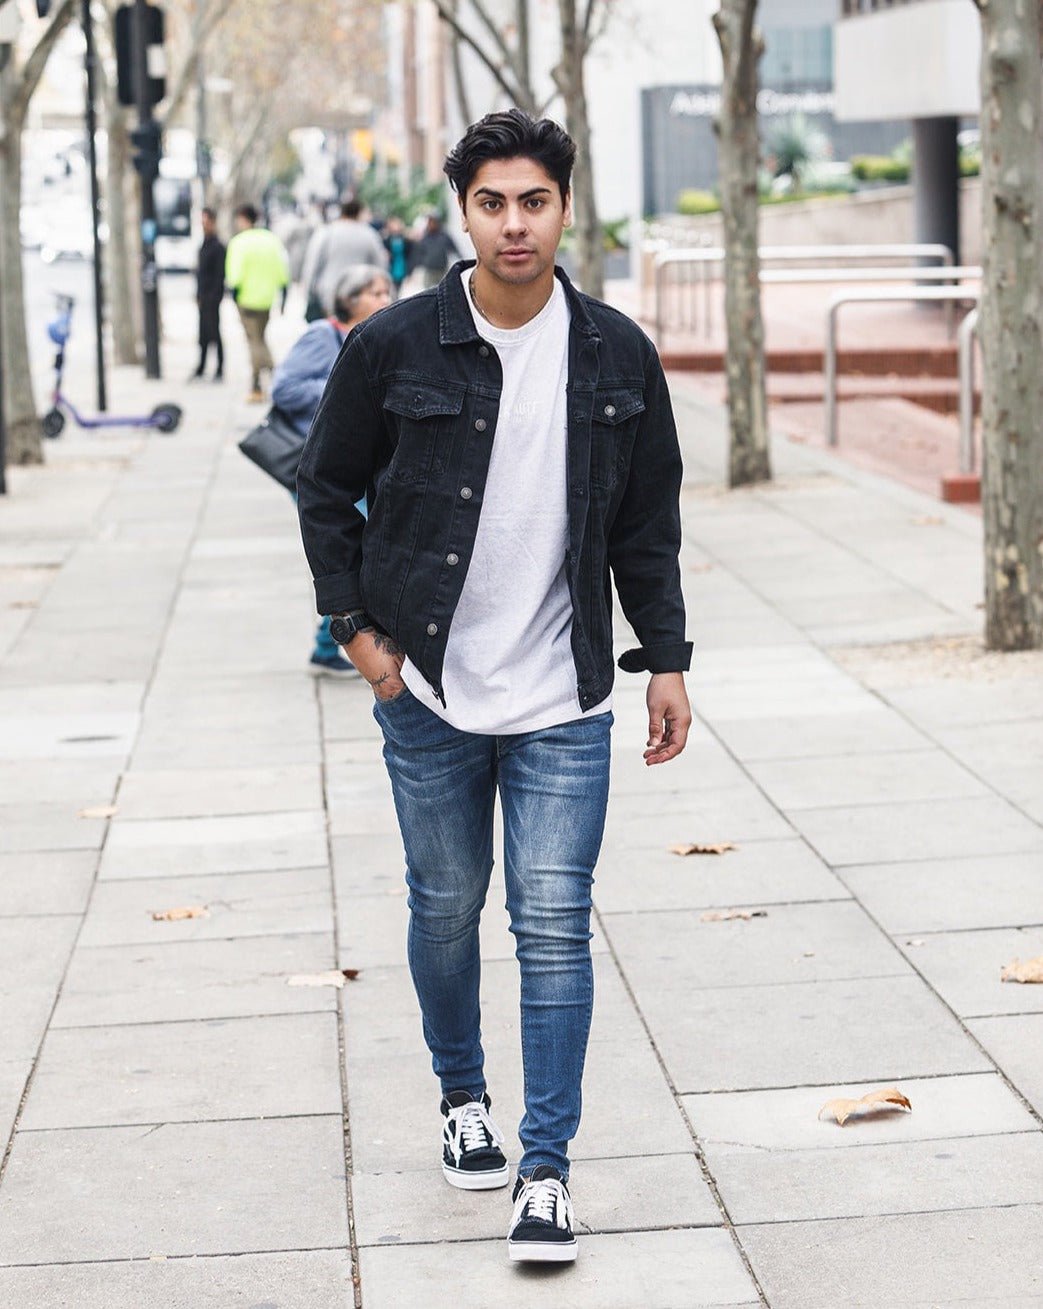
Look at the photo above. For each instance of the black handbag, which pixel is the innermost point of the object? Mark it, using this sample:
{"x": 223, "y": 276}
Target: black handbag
{"x": 275, "y": 445}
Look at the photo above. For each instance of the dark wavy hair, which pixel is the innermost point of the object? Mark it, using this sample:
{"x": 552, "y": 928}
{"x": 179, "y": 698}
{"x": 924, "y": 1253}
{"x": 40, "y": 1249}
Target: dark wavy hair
{"x": 512, "y": 134}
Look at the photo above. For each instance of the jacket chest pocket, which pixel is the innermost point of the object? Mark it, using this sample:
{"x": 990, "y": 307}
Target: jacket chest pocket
{"x": 614, "y": 421}
{"x": 423, "y": 418}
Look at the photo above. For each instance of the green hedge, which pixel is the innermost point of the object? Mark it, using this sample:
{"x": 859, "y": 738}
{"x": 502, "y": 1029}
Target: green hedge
{"x": 879, "y": 168}
{"x": 692, "y": 202}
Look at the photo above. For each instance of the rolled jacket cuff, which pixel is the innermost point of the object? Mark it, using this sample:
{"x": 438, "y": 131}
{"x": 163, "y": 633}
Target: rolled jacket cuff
{"x": 675, "y": 658}
{"x": 338, "y": 594}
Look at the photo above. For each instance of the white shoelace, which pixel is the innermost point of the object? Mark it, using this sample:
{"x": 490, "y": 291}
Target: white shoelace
{"x": 473, "y": 1123}
{"x": 542, "y": 1199}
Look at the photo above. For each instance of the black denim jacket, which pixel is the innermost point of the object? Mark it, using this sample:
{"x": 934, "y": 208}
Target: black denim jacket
{"x": 408, "y": 417}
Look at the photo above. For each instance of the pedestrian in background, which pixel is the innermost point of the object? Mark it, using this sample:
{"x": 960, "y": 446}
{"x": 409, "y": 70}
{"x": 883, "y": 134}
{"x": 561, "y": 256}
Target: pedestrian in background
{"x": 210, "y": 289}
{"x": 518, "y": 443}
{"x": 340, "y": 245}
{"x": 298, "y": 386}
{"x": 399, "y": 248}
{"x": 433, "y": 252}
{"x": 257, "y": 271}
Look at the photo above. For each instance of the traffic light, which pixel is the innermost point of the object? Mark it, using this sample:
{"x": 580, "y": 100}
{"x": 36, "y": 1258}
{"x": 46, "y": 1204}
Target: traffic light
{"x": 147, "y": 141}
{"x": 155, "y": 82}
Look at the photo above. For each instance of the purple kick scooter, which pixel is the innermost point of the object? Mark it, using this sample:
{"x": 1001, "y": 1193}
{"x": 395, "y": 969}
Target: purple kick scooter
{"x": 164, "y": 417}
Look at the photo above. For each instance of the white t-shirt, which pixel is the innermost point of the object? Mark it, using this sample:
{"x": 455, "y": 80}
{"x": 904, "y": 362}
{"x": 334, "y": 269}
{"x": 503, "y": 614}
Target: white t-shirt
{"x": 508, "y": 662}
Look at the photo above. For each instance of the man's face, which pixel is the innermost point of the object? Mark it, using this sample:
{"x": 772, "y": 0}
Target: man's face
{"x": 209, "y": 226}
{"x": 514, "y": 215}
{"x": 242, "y": 223}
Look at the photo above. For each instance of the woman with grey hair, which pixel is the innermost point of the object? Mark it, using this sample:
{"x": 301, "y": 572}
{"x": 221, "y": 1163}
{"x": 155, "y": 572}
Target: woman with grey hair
{"x": 300, "y": 381}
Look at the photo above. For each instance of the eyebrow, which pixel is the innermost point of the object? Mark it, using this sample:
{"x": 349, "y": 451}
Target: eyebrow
{"x": 525, "y": 195}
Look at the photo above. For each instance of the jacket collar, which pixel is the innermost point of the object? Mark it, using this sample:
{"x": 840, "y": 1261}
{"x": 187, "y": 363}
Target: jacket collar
{"x": 456, "y": 322}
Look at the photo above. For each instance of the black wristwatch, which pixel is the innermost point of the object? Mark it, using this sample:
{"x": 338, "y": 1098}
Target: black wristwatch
{"x": 345, "y": 627}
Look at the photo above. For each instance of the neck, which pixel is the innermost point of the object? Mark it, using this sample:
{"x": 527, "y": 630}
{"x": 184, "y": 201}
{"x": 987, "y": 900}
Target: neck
{"x": 508, "y": 306}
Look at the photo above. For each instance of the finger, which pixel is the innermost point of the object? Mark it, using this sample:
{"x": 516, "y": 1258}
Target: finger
{"x": 656, "y": 727}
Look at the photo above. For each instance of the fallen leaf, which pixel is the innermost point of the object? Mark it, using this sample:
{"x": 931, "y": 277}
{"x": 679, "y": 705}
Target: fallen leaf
{"x": 98, "y": 811}
{"x": 1029, "y": 971}
{"x": 175, "y": 915}
{"x": 888, "y": 1098}
{"x": 700, "y": 568}
{"x": 927, "y": 520}
{"x": 917, "y": 940}
{"x": 726, "y": 915}
{"x": 332, "y": 977}
{"x": 700, "y": 847}
{"x": 24, "y": 604}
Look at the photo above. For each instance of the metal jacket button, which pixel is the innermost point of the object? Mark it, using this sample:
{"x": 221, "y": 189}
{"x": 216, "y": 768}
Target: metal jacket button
{"x": 483, "y": 350}
{"x": 432, "y": 629}
{"x": 465, "y": 493}
{"x": 452, "y": 559}
{"x": 610, "y": 411}
{"x": 479, "y": 424}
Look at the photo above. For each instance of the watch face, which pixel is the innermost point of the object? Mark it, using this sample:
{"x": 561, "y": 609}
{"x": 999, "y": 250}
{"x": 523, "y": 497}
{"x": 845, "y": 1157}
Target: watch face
{"x": 342, "y": 630}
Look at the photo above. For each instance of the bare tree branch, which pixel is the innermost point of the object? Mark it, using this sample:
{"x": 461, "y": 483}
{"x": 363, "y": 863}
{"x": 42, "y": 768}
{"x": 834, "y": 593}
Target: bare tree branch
{"x": 33, "y": 68}
{"x": 497, "y": 70}
{"x": 213, "y": 15}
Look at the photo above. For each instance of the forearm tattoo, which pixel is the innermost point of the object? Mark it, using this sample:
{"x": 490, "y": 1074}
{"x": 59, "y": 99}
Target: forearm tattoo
{"x": 387, "y": 644}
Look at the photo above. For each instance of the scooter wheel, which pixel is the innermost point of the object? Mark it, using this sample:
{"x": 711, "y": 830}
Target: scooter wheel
{"x": 53, "y": 421}
{"x": 165, "y": 417}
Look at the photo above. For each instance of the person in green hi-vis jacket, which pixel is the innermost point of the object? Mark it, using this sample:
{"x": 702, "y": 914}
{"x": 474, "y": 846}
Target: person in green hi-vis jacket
{"x": 256, "y": 270}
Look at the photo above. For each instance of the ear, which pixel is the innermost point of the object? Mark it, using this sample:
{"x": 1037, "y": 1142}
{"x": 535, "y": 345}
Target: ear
{"x": 566, "y": 220}
{"x": 460, "y": 200}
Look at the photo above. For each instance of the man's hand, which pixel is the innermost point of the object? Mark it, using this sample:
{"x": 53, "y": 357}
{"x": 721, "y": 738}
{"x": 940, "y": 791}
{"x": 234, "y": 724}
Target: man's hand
{"x": 669, "y": 717}
{"x": 379, "y": 659}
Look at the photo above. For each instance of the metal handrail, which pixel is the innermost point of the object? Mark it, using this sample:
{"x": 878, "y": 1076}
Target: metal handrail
{"x": 705, "y": 256}
{"x": 942, "y": 293}
{"x": 965, "y": 351}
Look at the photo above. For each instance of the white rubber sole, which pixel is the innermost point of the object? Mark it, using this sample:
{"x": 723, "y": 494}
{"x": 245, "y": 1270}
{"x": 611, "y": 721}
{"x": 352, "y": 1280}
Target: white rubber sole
{"x": 543, "y": 1252}
{"x": 469, "y": 1181}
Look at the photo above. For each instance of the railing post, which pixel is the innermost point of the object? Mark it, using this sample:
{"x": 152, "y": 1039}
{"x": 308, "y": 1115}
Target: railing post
{"x": 966, "y": 368}
{"x": 831, "y": 374}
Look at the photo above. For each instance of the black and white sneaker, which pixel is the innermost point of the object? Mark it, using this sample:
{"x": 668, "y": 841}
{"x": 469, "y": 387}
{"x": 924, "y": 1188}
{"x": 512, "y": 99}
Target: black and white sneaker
{"x": 471, "y": 1154}
{"x": 541, "y": 1225}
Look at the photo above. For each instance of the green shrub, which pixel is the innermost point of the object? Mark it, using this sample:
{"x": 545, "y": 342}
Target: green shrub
{"x": 693, "y": 202}
{"x": 880, "y": 168}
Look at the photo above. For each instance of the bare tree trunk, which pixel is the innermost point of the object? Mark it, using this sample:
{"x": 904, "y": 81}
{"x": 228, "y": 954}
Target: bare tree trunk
{"x": 568, "y": 77}
{"x": 1012, "y": 324}
{"x": 17, "y": 84}
{"x": 24, "y": 442}
{"x": 739, "y": 155}
{"x": 121, "y": 261}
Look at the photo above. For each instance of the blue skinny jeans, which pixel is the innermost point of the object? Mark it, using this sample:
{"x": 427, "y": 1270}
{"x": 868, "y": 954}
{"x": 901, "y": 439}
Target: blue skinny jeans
{"x": 553, "y": 787}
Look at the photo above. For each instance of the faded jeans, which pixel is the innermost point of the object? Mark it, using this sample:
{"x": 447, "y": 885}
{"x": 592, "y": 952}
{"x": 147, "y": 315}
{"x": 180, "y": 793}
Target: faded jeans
{"x": 553, "y": 787}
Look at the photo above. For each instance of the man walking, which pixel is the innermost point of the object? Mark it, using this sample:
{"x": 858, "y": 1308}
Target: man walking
{"x": 257, "y": 270}
{"x": 210, "y": 289}
{"x": 432, "y": 252}
{"x": 518, "y": 444}
{"x": 345, "y": 243}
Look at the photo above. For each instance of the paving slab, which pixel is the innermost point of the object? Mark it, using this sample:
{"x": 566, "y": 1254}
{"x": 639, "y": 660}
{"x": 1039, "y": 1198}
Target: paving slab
{"x": 674, "y": 953}
{"x": 893, "y": 777}
{"x": 204, "y": 792}
{"x": 748, "y": 1037}
{"x": 252, "y": 843}
{"x": 1016, "y": 1044}
{"x": 964, "y": 968}
{"x": 14, "y": 1073}
{"x": 906, "y": 1177}
{"x": 173, "y": 1189}
{"x": 771, "y": 736}
{"x": 285, "y": 1064}
{"x": 985, "y": 1258}
{"x": 739, "y": 1122}
{"x": 34, "y": 954}
{"x": 46, "y": 882}
{"x": 307, "y": 1279}
{"x": 238, "y": 904}
{"x": 194, "y": 979}
{"x": 370, "y": 864}
{"x": 935, "y": 895}
{"x": 49, "y": 826}
{"x": 735, "y": 813}
{"x": 928, "y": 829}
{"x": 756, "y": 872}
{"x": 76, "y": 783}
{"x": 611, "y": 1195}
{"x": 698, "y": 1268}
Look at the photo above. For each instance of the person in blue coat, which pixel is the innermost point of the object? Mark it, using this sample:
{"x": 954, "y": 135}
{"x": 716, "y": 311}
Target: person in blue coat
{"x": 300, "y": 381}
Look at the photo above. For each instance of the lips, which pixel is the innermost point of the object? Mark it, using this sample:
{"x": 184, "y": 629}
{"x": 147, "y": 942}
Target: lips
{"x": 516, "y": 252}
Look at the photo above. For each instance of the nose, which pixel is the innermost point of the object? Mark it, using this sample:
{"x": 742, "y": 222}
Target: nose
{"x": 516, "y": 220}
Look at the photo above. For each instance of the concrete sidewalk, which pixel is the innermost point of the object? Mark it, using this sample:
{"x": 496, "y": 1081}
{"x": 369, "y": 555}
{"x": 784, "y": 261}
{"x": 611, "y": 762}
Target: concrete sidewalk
{"x": 187, "y": 1127}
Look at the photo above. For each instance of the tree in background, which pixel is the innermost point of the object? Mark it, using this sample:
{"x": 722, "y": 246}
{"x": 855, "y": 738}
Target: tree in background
{"x": 20, "y": 75}
{"x": 739, "y": 153}
{"x": 1011, "y": 325}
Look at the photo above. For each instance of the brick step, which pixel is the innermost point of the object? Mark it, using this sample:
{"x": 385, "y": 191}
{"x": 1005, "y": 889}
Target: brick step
{"x": 877, "y": 361}
{"x": 939, "y": 394}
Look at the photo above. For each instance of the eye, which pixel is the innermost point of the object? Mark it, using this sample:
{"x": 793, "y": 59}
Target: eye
{"x": 534, "y": 202}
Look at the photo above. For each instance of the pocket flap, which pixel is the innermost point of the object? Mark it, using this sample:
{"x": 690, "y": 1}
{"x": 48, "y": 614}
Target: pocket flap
{"x": 422, "y": 400}
{"x": 616, "y": 405}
